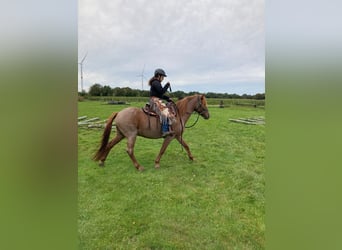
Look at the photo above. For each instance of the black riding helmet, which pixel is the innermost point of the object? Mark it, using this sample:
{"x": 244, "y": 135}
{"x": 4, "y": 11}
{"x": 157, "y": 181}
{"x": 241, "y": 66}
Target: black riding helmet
{"x": 159, "y": 72}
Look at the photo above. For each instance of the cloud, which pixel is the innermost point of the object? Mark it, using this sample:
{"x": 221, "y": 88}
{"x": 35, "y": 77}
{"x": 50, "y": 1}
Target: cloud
{"x": 194, "y": 41}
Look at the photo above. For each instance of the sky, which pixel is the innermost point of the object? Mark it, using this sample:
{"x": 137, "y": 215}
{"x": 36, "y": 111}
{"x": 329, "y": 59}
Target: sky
{"x": 203, "y": 45}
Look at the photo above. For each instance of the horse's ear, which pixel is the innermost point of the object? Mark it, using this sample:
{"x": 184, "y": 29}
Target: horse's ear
{"x": 203, "y": 100}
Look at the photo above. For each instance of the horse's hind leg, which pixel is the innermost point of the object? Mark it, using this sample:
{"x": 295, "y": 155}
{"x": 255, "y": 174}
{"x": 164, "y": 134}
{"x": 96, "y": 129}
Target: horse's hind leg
{"x": 110, "y": 145}
{"x": 130, "y": 151}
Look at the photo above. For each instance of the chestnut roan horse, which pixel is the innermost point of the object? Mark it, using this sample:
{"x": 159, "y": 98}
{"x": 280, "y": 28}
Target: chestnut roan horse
{"x": 132, "y": 122}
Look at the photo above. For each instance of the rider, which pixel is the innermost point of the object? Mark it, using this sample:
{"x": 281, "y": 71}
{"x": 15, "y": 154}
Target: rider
{"x": 157, "y": 92}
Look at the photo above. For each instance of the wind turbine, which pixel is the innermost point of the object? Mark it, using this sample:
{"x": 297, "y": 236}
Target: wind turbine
{"x": 81, "y": 63}
{"x": 142, "y": 77}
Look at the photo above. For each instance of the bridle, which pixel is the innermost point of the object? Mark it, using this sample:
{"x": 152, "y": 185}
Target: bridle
{"x": 197, "y": 109}
{"x": 200, "y": 106}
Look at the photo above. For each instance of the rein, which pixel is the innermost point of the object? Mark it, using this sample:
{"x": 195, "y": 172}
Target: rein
{"x": 194, "y": 122}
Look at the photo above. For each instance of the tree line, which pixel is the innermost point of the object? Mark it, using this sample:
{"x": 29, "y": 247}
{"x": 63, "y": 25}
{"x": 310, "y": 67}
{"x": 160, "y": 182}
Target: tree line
{"x": 99, "y": 90}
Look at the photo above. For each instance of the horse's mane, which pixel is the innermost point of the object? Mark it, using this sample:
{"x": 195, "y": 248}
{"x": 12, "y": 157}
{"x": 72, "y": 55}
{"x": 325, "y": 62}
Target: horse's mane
{"x": 183, "y": 103}
{"x": 204, "y": 100}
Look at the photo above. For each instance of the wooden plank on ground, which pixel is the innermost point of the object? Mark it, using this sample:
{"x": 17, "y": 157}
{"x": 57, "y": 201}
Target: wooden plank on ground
{"x": 82, "y": 118}
{"x": 252, "y": 120}
{"x": 92, "y": 119}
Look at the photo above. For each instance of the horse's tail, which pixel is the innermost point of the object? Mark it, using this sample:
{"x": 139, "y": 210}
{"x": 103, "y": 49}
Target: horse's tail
{"x": 105, "y": 138}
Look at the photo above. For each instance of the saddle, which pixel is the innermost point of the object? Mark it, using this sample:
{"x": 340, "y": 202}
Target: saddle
{"x": 147, "y": 110}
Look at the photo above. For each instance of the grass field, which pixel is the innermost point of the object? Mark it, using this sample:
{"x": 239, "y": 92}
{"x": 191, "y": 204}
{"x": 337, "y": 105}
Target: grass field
{"x": 215, "y": 202}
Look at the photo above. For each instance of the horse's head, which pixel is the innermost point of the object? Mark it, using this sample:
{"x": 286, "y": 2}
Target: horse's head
{"x": 201, "y": 107}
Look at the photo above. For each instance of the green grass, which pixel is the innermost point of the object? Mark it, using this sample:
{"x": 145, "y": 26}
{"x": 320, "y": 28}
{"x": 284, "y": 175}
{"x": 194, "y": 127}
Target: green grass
{"x": 215, "y": 202}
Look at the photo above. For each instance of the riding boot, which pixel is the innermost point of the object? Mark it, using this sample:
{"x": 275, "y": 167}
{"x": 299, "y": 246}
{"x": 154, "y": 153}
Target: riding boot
{"x": 165, "y": 129}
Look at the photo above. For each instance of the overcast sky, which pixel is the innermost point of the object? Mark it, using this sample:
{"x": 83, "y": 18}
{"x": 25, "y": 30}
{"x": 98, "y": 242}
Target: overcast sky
{"x": 203, "y": 45}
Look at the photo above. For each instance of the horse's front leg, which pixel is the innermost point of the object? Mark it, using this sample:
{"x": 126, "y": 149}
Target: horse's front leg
{"x": 183, "y": 143}
{"x": 166, "y": 143}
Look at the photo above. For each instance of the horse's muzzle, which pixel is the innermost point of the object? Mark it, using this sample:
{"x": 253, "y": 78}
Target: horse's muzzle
{"x": 205, "y": 115}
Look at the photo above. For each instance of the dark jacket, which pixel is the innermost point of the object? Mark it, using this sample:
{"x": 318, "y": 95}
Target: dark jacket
{"x": 157, "y": 90}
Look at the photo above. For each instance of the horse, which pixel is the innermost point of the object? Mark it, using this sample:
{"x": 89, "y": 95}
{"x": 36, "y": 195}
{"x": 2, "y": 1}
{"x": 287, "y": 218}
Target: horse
{"x": 132, "y": 122}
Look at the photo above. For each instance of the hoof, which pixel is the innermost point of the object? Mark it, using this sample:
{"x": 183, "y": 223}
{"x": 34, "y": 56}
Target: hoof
{"x": 157, "y": 166}
{"x": 191, "y": 158}
{"x": 140, "y": 168}
{"x": 101, "y": 163}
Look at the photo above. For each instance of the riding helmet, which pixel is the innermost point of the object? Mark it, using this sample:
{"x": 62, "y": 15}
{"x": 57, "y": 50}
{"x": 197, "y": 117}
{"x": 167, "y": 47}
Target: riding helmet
{"x": 160, "y": 72}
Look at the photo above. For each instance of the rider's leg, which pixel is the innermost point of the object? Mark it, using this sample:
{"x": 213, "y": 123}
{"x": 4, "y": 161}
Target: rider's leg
{"x": 165, "y": 128}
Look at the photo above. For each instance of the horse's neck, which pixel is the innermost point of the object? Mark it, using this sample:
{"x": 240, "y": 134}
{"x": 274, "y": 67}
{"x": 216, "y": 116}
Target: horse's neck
{"x": 186, "y": 113}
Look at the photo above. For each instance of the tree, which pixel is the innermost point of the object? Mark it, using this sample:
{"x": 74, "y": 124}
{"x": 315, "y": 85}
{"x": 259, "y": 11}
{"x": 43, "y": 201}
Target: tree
{"x": 145, "y": 93}
{"x": 194, "y": 93}
{"x": 83, "y": 93}
{"x": 107, "y": 91}
{"x": 95, "y": 90}
{"x": 99, "y": 90}
{"x": 259, "y": 96}
{"x": 118, "y": 92}
{"x": 178, "y": 94}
